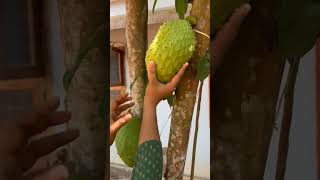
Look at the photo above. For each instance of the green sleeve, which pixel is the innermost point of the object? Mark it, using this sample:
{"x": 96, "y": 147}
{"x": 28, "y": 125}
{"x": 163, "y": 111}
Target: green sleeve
{"x": 148, "y": 161}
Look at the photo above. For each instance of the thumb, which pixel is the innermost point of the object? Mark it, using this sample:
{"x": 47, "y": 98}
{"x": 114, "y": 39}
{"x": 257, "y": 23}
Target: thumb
{"x": 59, "y": 172}
{"x": 152, "y": 72}
{"x": 119, "y": 123}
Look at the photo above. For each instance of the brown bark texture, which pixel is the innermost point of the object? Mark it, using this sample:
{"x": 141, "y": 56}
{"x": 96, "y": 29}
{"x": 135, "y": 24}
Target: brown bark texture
{"x": 78, "y": 21}
{"x": 186, "y": 92}
{"x": 136, "y": 34}
{"x": 246, "y": 88}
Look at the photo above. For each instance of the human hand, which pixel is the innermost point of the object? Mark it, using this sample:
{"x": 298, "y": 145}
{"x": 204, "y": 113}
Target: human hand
{"x": 59, "y": 172}
{"x": 156, "y": 91}
{"x": 18, "y": 153}
{"x": 117, "y": 118}
{"x": 226, "y": 35}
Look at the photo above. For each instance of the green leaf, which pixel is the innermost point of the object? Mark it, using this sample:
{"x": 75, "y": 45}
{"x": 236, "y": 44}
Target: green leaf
{"x": 181, "y": 7}
{"x": 135, "y": 79}
{"x": 170, "y": 100}
{"x": 299, "y": 27}
{"x": 154, "y": 5}
{"x": 67, "y": 78}
{"x": 203, "y": 68}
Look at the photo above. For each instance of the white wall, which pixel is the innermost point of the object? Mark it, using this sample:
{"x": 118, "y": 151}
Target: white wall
{"x": 301, "y": 163}
{"x": 118, "y": 8}
{"x": 163, "y": 111}
{"x": 55, "y": 51}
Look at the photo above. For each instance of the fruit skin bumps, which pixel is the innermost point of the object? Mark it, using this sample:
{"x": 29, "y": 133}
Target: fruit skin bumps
{"x": 172, "y": 46}
{"x": 127, "y": 140}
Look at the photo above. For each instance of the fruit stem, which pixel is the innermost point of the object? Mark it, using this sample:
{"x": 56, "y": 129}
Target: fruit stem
{"x": 204, "y": 34}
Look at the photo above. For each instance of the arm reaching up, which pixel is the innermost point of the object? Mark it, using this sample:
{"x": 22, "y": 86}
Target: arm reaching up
{"x": 149, "y": 154}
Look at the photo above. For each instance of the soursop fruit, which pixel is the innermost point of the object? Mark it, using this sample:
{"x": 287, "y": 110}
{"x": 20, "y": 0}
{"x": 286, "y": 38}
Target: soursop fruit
{"x": 127, "y": 140}
{"x": 172, "y": 46}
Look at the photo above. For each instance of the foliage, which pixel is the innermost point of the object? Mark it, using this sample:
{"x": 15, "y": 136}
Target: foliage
{"x": 154, "y": 5}
{"x": 181, "y": 7}
{"x": 203, "y": 68}
{"x": 299, "y": 27}
{"x": 170, "y": 100}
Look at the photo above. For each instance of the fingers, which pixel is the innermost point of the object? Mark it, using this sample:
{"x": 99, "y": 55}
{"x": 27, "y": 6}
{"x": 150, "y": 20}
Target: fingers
{"x": 152, "y": 77}
{"x": 122, "y": 98}
{"x": 175, "y": 80}
{"x": 52, "y": 119}
{"x": 124, "y": 107}
{"x": 42, "y": 111}
{"x": 120, "y": 122}
{"x": 228, "y": 33}
{"x": 46, "y": 145}
{"x": 117, "y": 125}
{"x": 44, "y": 117}
{"x": 59, "y": 172}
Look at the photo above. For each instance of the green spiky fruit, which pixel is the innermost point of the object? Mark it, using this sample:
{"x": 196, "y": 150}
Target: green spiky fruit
{"x": 127, "y": 140}
{"x": 172, "y": 46}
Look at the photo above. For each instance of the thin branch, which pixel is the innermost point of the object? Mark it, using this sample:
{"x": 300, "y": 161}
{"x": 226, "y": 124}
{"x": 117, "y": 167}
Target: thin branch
{"x": 286, "y": 121}
{"x": 196, "y": 131}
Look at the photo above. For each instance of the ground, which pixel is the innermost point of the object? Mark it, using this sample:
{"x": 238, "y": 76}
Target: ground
{"x": 120, "y": 172}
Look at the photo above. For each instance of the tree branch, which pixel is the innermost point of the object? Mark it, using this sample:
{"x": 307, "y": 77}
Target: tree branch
{"x": 286, "y": 121}
{"x": 186, "y": 95}
{"x": 196, "y": 132}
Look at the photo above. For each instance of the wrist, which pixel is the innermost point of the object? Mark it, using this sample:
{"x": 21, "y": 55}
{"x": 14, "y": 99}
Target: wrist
{"x": 150, "y": 102}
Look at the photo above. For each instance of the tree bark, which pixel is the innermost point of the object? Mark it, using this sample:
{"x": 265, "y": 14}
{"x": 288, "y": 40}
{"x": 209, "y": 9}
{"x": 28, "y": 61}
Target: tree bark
{"x": 136, "y": 34}
{"x": 186, "y": 92}
{"x": 246, "y": 90}
{"x": 78, "y": 21}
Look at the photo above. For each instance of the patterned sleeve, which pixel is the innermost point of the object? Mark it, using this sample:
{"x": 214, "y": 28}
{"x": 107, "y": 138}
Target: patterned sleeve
{"x": 148, "y": 161}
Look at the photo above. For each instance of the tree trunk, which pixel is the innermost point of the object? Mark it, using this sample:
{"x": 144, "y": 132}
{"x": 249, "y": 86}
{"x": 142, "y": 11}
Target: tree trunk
{"x": 78, "y": 21}
{"x": 136, "y": 34}
{"x": 186, "y": 92}
{"x": 246, "y": 90}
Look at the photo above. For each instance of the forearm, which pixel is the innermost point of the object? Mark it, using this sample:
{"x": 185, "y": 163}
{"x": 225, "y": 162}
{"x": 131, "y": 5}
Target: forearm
{"x": 149, "y": 154}
{"x": 149, "y": 126}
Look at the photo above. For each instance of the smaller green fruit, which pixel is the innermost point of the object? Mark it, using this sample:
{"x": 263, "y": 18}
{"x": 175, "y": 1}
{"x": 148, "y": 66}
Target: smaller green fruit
{"x": 192, "y": 20}
{"x": 127, "y": 140}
